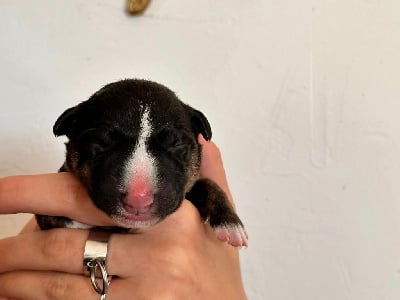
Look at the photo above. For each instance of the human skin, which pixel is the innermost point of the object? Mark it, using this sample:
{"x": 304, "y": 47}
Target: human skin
{"x": 180, "y": 258}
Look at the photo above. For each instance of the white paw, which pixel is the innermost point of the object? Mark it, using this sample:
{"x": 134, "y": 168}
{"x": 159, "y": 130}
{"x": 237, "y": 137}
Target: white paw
{"x": 78, "y": 225}
{"x": 233, "y": 234}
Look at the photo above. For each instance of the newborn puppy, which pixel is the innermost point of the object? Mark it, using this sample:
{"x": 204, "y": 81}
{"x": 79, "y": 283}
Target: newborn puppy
{"x": 133, "y": 145}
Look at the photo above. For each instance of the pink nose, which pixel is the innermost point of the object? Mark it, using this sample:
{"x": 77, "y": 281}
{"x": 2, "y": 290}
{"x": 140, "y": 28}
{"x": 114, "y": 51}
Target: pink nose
{"x": 140, "y": 193}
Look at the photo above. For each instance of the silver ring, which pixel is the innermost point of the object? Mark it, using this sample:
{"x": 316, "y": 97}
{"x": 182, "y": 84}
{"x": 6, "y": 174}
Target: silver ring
{"x": 94, "y": 261}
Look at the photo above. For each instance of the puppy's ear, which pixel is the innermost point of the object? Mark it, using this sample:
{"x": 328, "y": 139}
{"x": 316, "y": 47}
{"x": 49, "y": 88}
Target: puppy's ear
{"x": 65, "y": 123}
{"x": 200, "y": 125}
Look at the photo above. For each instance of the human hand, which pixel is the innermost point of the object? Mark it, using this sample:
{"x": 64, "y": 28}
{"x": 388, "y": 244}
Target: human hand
{"x": 180, "y": 258}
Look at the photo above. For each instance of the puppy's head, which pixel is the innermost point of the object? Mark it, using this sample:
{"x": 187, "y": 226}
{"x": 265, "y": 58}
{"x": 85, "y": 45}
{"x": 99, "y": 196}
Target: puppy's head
{"x": 133, "y": 144}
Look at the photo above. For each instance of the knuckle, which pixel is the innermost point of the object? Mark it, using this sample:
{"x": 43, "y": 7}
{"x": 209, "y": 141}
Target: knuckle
{"x": 55, "y": 244}
{"x": 176, "y": 264}
{"x": 56, "y": 287}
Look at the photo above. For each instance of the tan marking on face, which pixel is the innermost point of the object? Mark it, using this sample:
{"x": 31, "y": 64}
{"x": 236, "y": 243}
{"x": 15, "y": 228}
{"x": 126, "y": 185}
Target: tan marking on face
{"x": 193, "y": 172}
{"x": 83, "y": 172}
{"x": 72, "y": 157}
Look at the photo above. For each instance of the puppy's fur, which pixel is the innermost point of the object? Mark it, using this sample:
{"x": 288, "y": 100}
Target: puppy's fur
{"x": 133, "y": 145}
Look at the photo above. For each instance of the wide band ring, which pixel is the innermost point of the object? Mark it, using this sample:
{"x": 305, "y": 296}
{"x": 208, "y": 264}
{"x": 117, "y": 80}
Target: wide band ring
{"x": 94, "y": 261}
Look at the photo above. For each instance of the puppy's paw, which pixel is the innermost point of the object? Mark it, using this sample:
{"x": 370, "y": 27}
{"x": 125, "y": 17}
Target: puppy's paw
{"x": 77, "y": 225}
{"x": 233, "y": 234}
{"x": 48, "y": 222}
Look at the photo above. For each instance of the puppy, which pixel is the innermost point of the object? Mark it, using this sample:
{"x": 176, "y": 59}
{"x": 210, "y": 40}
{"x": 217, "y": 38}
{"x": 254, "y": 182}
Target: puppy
{"x": 133, "y": 145}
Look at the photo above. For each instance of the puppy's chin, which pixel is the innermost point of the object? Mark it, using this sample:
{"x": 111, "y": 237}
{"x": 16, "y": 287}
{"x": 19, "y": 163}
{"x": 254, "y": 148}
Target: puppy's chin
{"x": 135, "y": 221}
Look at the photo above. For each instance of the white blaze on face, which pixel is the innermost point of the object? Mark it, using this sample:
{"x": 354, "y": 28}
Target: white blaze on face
{"x": 140, "y": 170}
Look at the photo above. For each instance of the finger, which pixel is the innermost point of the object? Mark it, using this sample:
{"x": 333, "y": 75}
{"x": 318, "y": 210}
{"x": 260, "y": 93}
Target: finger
{"x": 64, "y": 196}
{"x": 31, "y": 285}
{"x": 212, "y": 166}
{"x": 62, "y": 249}
{"x": 29, "y": 227}
{"x": 51, "y": 250}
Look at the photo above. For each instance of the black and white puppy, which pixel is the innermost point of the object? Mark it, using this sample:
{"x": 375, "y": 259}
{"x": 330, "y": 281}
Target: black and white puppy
{"x": 133, "y": 145}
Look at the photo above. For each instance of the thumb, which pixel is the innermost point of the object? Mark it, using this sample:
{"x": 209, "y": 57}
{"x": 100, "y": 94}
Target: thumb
{"x": 212, "y": 165}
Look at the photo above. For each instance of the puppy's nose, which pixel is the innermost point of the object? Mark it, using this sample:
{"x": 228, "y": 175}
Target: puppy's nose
{"x": 140, "y": 193}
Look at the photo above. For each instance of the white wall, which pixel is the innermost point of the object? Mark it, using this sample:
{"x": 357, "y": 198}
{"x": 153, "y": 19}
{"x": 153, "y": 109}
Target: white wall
{"x": 304, "y": 100}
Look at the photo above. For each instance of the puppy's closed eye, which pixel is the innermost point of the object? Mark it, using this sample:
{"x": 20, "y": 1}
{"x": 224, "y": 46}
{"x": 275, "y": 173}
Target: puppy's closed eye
{"x": 95, "y": 142}
{"x": 174, "y": 142}
{"x": 180, "y": 151}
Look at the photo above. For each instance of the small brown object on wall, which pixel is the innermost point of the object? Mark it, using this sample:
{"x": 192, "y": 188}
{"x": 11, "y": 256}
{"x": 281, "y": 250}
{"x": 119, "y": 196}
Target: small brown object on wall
{"x": 137, "y": 6}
